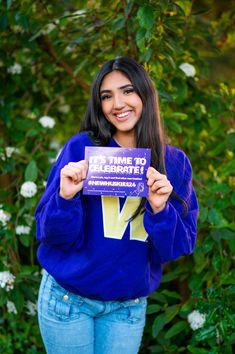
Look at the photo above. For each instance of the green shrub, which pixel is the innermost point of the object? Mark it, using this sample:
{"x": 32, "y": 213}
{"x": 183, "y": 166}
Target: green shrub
{"x": 49, "y": 56}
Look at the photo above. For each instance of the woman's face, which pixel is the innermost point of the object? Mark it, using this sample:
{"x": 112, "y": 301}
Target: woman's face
{"x": 121, "y": 105}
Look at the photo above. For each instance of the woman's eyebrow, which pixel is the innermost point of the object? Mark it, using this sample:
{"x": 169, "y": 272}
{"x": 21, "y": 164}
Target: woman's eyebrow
{"x": 120, "y": 88}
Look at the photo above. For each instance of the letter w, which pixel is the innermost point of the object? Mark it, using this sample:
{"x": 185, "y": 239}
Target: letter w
{"x": 116, "y": 221}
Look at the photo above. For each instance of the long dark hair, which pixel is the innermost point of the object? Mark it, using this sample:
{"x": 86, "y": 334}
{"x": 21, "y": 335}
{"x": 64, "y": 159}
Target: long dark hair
{"x": 148, "y": 130}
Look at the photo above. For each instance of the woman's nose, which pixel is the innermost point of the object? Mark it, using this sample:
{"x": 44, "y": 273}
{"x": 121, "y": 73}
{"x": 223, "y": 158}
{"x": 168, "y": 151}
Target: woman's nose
{"x": 118, "y": 102}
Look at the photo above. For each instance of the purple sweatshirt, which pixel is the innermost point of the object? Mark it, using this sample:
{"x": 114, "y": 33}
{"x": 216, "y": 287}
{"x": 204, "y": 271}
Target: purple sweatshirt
{"x": 91, "y": 248}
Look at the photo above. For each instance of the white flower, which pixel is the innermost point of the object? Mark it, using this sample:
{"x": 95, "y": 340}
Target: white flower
{"x": 15, "y": 69}
{"x": 7, "y": 280}
{"x": 11, "y": 307}
{"x": 28, "y": 189}
{"x": 4, "y": 217}
{"x": 65, "y": 108}
{"x": 188, "y": 69}
{"x": 47, "y": 122}
{"x": 22, "y": 230}
{"x": 196, "y": 320}
{"x": 10, "y": 150}
{"x": 31, "y": 308}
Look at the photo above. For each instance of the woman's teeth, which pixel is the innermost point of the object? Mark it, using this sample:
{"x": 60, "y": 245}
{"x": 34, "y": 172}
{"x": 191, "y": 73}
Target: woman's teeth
{"x": 122, "y": 115}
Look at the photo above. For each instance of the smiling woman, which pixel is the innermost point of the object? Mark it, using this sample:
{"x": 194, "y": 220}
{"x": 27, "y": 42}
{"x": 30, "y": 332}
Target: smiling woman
{"x": 103, "y": 255}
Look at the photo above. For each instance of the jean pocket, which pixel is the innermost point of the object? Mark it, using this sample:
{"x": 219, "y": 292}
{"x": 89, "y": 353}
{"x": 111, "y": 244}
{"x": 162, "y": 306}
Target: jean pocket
{"x": 133, "y": 311}
{"x": 63, "y": 305}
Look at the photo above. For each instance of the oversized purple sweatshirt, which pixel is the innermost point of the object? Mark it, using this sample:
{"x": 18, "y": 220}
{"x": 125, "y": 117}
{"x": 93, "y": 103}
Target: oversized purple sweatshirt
{"x": 92, "y": 248}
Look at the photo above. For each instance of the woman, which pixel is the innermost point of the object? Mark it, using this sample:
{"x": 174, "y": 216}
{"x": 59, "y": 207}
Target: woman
{"x": 93, "y": 293}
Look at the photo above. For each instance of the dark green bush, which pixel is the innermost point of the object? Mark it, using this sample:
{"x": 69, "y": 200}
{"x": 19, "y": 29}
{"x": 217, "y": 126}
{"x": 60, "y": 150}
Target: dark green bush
{"x": 50, "y": 52}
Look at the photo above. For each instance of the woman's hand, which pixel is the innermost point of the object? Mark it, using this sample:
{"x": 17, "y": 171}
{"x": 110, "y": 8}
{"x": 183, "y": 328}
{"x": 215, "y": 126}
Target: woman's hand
{"x": 72, "y": 177}
{"x": 159, "y": 189}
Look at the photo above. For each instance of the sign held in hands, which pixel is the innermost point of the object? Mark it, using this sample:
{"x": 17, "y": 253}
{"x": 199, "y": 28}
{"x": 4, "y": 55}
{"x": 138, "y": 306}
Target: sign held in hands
{"x": 116, "y": 171}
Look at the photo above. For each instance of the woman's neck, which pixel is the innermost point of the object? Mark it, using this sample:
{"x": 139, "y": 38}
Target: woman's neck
{"x": 126, "y": 141}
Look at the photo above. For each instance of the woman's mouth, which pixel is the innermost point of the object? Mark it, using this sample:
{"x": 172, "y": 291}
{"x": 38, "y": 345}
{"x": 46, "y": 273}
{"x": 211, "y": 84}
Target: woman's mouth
{"x": 122, "y": 116}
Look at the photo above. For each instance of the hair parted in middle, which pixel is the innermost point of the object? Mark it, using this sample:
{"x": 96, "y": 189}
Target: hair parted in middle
{"x": 148, "y": 130}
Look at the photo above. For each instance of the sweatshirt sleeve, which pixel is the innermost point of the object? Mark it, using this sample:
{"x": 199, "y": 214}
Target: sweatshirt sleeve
{"x": 60, "y": 221}
{"x": 172, "y": 232}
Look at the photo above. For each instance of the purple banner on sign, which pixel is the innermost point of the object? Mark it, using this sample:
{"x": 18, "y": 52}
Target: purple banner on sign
{"x": 116, "y": 171}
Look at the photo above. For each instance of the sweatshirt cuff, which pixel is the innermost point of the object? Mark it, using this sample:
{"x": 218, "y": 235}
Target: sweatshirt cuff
{"x": 66, "y": 204}
{"x": 151, "y": 219}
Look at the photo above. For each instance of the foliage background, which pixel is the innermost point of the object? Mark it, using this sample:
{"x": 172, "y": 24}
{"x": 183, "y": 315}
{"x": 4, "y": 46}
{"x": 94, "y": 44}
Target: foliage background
{"x": 59, "y": 46}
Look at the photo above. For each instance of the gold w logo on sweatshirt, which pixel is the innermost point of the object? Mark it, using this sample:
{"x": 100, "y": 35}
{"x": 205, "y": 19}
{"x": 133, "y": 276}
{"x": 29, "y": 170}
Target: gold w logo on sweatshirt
{"x": 115, "y": 221}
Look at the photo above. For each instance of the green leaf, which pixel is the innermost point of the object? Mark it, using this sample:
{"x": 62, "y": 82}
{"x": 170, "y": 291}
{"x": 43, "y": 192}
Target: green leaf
{"x": 159, "y": 297}
{"x": 128, "y": 7}
{"x": 222, "y": 188}
{"x": 172, "y": 294}
{"x": 145, "y": 16}
{"x": 31, "y": 171}
{"x": 25, "y": 240}
{"x": 153, "y": 308}
{"x": 30, "y": 203}
{"x": 228, "y": 278}
{"x": 216, "y": 218}
{"x": 140, "y": 39}
{"x": 216, "y": 261}
{"x": 146, "y": 55}
{"x": 118, "y": 23}
{"x": 205, "y": 333}
{"x": 158, "y": 324}
{"x": 18, "y": 299}
{"x": 224, "y": 234}
{"x": 196, "y": 350}
{"x": 229, "y": 168}
{"x": 171, "y": 312}
{"x": 203, "y": 214}
{"x": 174, "y": 126}
{"x": 179, "y": 115}
{"x": 170, "y": 276}
{"x": 185, "y": 5}
{"x": 175, "y": 329}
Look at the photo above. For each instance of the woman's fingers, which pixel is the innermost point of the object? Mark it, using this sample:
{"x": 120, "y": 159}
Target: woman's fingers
{"x": 160, "y": 187}
{"x": 76, "y": 171}
{"x": 156, "y": 178}
{"x": 72, "y": 176}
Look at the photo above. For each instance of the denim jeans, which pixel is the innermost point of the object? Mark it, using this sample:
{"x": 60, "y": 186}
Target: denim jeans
{"x": 72, "y": 324}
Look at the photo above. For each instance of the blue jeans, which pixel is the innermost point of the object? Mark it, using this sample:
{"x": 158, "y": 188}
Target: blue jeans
{"x": 72, "y": 324}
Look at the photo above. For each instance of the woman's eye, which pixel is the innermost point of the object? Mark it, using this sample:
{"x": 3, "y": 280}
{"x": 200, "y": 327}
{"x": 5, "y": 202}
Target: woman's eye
{"x": 127, "y": 91}
{"x": 105, "y": 97}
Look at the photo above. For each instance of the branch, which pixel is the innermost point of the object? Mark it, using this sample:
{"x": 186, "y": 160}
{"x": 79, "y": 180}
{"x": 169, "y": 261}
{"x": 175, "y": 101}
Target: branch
{"x": 46, "y": 45}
